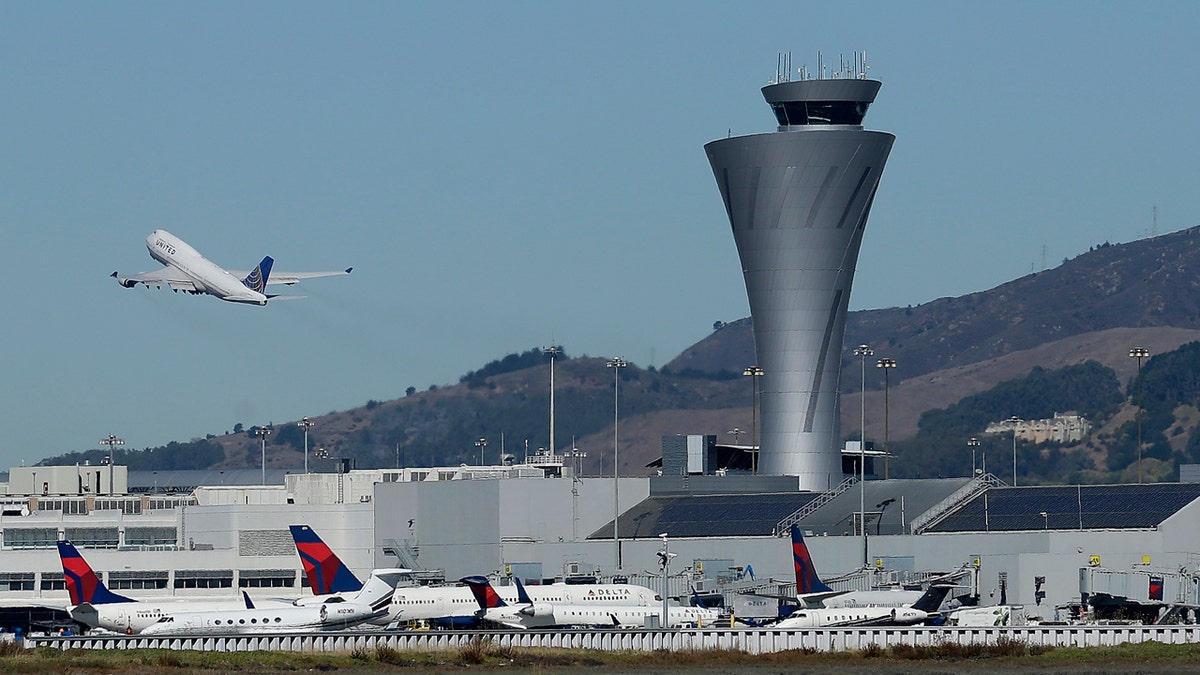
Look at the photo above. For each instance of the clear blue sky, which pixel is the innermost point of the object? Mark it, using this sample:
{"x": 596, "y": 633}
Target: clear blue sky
{"x": 504, "y": 175}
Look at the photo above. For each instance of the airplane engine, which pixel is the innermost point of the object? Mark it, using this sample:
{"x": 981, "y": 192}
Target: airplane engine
{"x": 127, "y": 283}
{"x": 539, "y": 609}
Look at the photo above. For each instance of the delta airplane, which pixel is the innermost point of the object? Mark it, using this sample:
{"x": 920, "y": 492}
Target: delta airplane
{"x": 94, "y": 605}
{"x": 186, "y": 270}
{"x": 529, "y": 614}
{"x": 815, "y": 594}
{"x": 854, "y": 608}
{"x": 328, "y": 576}
{"x": 456, "y": 606}
{"x": 326, "y": 616}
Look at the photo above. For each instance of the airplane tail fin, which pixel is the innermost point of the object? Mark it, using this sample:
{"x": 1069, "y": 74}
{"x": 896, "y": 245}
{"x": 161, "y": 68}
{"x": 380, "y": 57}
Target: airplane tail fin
{"x": 325, "y": 571}
{"x": 932, "y": 599}
{"x": 257, "y": 279}
{"x": 484, "y": 594}
{"x": 522, "y": 596}
{"x": 83, "y": 584}
{"x": 377, "y": 591}
{"x": 807, "y": 580}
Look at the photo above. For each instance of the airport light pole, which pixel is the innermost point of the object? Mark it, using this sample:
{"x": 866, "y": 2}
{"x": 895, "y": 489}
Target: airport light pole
{"x": 554, "y": 352}
{"x": 886, "y": 364}
{"x": 306, "y": 424}
{"x": 863, "y": 351}
{"x": 1139, "y": 353}
{"x": 111, "y": 441}
{"x": 1015, "y": 421}
{"x": 753, "y": 372}
{"x": 481, "y": 444}
{"x": 262, "y": 433}
{"x": 664, "y": 559}
{"x": 616, "y": 364}
{"x": 972, "y": 443}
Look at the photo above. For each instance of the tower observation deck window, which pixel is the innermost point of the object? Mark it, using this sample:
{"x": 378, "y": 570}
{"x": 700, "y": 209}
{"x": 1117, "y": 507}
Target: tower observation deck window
{"x": 799, "y": 113}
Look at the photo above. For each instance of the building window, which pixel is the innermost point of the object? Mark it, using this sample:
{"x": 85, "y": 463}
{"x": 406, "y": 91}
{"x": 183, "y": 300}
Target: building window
{"x": 204, "y": 579}
{"x": 17, "y": 581}
{"x": 151, "y": 536}
{"x": 267, "y": 579}
{"x": 93, "y": 537}
{"x": 139, "y": 580}
{"x": 53, "y": 581}
{"x": 69, "y": 507}
{"x": 29, "y": 538}
{"x": 126, "y": 506}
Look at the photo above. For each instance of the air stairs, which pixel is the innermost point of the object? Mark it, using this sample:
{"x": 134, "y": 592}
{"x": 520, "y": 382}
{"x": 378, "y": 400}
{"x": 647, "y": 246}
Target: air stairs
{"x": 783, "y": 527}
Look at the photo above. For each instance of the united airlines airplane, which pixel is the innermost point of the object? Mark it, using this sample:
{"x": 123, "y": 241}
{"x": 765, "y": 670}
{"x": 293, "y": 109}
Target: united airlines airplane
{"x": 186, "y": 270}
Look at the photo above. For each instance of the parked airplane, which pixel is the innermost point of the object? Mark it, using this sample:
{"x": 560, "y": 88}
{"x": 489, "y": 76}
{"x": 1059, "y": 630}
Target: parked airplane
{"x": 529, "y": 614}
{"x": 920, "y": 611}
{"x": 813, "y": 592}
{"x": 186, "y": 270}
{"x": 94, "y": 605}
{"x": 456, "y": 605}
{"x": 326, "y": 616}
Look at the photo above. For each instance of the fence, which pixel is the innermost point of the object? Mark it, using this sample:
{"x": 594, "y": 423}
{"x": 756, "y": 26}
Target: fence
{"x": 750, "y": 640}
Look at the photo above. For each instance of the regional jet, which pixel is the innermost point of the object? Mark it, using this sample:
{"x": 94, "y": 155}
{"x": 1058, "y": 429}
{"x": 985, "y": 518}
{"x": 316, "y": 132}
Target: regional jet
{"x": 455, "y": 606}
{"x": 186, "y": 270}
{"x": 94, "y": 605}
{"x": 529, "y": 614}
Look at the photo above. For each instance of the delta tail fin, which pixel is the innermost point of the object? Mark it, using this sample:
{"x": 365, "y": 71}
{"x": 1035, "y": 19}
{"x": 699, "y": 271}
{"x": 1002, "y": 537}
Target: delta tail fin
{"x": 484, "y": 594}
{"x": 83, "y": 584}
{"x": 522, "y": 596}
{"x": 257, "y": 279}
{"x": 325, "y": 571}
{"x": 807, "y": 580}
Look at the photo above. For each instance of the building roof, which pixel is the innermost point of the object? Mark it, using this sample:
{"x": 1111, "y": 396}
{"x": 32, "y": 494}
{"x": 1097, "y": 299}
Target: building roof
{"x": 1069, "y": 507}
{"x": 707, "y": 515}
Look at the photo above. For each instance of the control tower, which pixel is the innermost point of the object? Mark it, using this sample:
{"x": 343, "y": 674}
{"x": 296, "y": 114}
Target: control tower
{"x": 798, "y": 201}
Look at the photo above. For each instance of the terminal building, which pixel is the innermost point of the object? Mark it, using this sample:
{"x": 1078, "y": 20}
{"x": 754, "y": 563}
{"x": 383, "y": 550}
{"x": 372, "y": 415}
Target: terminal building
{"x": 1048, "y": 548}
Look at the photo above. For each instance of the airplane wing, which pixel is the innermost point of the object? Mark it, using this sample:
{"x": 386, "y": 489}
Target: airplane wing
{"x": 289, "y": 278}
{"x": 167, "y": 276}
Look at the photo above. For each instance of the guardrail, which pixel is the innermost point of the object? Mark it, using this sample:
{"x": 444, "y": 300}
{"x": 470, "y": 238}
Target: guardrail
{"x": 750, "y": 640}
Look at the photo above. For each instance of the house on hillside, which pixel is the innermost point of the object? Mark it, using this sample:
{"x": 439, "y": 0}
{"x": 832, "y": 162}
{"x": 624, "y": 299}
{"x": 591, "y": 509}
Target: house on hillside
{"x": 1068, "y": 427}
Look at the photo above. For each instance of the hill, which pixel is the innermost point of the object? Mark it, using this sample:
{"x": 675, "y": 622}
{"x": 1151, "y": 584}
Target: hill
{"x": 1091, "y": 308}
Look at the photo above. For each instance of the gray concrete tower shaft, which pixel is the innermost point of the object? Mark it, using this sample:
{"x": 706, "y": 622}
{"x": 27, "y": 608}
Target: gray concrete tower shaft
{"x": 798, "y": 201}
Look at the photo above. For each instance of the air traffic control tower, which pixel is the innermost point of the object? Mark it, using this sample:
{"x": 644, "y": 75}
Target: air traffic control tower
{"x": 798, "y": 201}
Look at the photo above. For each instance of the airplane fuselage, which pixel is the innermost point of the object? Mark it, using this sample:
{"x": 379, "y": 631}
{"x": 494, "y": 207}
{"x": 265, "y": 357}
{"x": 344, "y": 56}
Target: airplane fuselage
{"x": 172, "y": 251}
{"x": 447, "y": 602}
{"x": 544, "y": 615}
{"x": 334, "y": 616}
{"x": 860, "y": 616}
{"x": 134, "y": 617}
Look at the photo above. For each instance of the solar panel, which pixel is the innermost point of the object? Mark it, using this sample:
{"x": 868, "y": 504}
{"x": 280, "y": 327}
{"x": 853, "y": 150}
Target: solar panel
{"x": 707, "y": 515}
{"x": 1069, "y": 507}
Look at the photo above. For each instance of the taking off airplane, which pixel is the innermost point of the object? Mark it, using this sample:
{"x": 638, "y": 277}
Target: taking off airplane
{"x": 186, "y": 270}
